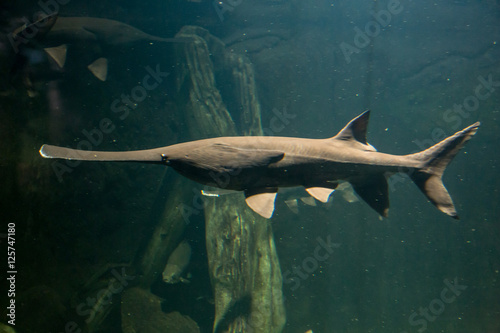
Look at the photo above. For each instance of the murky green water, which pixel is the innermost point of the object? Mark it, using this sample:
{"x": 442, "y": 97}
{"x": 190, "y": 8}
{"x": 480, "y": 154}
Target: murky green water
{"x": 85, "y": 244}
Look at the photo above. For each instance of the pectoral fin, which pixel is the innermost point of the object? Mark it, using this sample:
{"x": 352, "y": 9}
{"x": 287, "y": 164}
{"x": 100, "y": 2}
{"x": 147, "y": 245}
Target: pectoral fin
{"x": 58, "y": 53}
{"x": 184, "y": 280}
{"x": 261, "y": 201}
{"x": 99, "y": 68}
{"x": 235, "y": 157}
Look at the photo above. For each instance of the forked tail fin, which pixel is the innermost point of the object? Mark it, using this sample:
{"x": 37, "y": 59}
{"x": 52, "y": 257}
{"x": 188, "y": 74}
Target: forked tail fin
{"x": 434, "y": 161}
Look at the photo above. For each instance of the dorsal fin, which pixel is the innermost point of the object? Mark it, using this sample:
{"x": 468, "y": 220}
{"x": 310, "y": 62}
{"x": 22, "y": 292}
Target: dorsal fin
{"x": 355, "y": 129}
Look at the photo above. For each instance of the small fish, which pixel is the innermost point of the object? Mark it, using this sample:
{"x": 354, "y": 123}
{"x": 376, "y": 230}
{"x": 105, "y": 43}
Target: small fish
{"x": 177, "y": 264}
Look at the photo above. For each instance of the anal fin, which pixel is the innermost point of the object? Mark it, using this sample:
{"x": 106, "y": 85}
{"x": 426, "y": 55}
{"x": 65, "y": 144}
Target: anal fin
{"x": 375, "y": 192}
{"x": 262, "y": 200}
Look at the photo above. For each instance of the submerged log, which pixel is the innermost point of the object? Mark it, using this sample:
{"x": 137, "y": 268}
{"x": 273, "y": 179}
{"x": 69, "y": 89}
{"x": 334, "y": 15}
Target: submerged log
{"x": 244, "y": 268}
{"x": 243, "y": 263}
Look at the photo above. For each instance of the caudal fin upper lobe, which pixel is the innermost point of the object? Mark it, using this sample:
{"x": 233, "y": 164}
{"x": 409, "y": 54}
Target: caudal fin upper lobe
{"x": 434, "y": 161}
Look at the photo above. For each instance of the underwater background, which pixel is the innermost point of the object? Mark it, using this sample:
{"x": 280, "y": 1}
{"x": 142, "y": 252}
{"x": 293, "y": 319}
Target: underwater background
{"x": 92, "y": 239}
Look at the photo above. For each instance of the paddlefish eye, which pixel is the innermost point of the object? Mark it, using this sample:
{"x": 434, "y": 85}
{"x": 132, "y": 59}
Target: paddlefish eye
{"x": 164, "y": 159}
